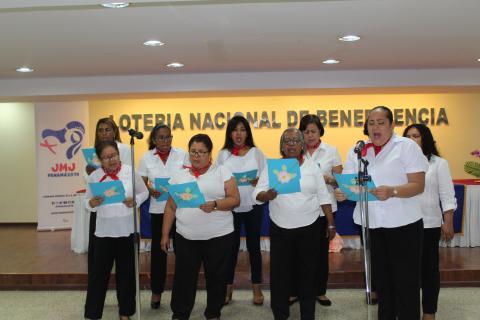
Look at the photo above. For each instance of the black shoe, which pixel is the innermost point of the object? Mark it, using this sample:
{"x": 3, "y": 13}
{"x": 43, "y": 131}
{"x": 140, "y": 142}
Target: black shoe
{"x": 292, "y": 300}
{"x": 155, "y": 304}
{"x": 325, "y": 303}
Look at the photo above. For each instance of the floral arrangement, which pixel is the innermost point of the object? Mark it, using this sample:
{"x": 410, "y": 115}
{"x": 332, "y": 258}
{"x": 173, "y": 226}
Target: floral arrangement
{"x": 472, "y": 167}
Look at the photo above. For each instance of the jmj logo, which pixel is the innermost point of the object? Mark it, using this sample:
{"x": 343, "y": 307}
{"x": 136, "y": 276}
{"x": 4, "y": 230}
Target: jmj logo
{"x": 71, "y": 134}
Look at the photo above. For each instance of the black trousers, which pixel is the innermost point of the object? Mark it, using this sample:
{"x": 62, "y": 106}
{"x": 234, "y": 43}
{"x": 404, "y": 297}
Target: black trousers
{"x": 252, "y": 221}
{"x": 396, "y": 259}
{"x": 294, "y": 251}
{"x": 91, "y": 241}
{"x": 158, "y": 261}
{"x": 324, "y": 252}
{"x": 107, "y": 251}
{"x": 430, "y": 270}
{"x": 214, "y": 254}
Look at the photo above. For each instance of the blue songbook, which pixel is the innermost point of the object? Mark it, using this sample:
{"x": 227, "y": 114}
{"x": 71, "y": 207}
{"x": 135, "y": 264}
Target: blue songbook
{"x": 110, "y": 191}
{"x": 284, "y": 175}
{"x": 186, "y": 195}
{"x": 161, "y": 185}
{"x": 245, "y": 178}
{"x": 91, "y": 157}
{"x": 348, "y": 183}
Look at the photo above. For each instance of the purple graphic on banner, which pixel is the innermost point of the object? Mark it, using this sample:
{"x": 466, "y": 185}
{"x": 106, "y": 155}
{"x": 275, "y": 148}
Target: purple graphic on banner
{"x": 72, "y": 133}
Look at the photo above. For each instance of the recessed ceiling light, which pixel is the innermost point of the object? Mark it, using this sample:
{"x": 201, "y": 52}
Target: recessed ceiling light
{"x": 349, "y": 38}
{"x": 331, "y": 61}
{"x": 175, "y": 65}
{"x": 478, "y": 60}
{"x": 115, "y": 5}
{"x": 153, "y": 43}
{"x": 24, "y": 69}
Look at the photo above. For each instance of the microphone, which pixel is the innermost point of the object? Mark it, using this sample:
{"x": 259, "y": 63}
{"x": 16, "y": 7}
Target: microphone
{"x": 359, "y": 146}
{"x": 135, "y": 134}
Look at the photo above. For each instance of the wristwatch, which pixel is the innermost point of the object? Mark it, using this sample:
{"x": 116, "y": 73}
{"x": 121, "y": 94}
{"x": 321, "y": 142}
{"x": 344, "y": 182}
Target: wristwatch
{"x": 215, "y": 205}
{"x": 395, "y": 192}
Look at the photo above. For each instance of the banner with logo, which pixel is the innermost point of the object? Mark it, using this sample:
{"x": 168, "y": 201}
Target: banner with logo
{"x": 61, "y": 131}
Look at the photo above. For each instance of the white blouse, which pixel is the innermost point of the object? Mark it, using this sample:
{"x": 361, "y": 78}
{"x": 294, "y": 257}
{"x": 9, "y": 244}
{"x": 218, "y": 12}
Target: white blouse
{"x": 299, "y": 209}
{"x": 327, "y": 157}
{"x": 116, "y": 220}
{"x": 438, "y": 188}
{"x": 151, "y": 166}
{"x": 399, "y": 157}
{"x": 252, "y": 160}
{"x": 194, "y": 223}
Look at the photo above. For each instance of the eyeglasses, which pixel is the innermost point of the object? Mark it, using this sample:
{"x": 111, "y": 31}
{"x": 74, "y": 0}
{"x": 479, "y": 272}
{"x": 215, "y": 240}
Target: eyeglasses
{"x": 292, "y": 142}
{"x": 195, "y": 153}
{"x": 111, "y": 158}
{"x": 163, "y": 139}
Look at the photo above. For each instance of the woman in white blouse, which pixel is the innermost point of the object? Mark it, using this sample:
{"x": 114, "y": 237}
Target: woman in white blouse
{"x": 328, "y": 160}
{"x": 113, "y": 235}
{"x": 106, "y": 130}
{"x": 160, "y": 161}
{"x": 438, "y": 189}
{"x": 240, "y": 155}
{"x": 204, "y": 234}
{"x": 295, "y": 230}
{"x": 397, "y": 167}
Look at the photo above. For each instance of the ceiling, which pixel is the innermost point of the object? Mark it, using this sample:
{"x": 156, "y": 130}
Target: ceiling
{"x": 61, "y": 38}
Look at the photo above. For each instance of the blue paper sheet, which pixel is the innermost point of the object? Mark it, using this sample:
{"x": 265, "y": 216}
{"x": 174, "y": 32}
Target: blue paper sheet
{"x": 161, "y": 185}
{"x": 245, "y": 178}
{"x": 349, "y": 185}
{"x": 110, "y": 191}
{"x": 91, "y": 157}
{"x": 186, "y": 195}
{"x": 284, "y": 175}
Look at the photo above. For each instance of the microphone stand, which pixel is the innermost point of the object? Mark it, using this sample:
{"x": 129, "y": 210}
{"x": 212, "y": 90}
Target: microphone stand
{"x": 363, "y": 178}
{"x": 136, "y": 235}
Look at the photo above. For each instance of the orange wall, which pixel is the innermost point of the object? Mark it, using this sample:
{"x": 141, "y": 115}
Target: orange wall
{"x": 455, "y": 140}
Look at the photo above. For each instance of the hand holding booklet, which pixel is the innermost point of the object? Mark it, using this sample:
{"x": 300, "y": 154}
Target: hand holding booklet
{"x": 161, "y": 184}
{"x": 110, "y": 191}
{"x": 348, "y": 183}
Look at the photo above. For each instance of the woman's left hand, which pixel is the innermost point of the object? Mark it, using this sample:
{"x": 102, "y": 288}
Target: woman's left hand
{"x": 208, "y": 206}
{"x": 129, "y": 202}
{"x": 382, "y": 192}
{"x": 331, "y": 232}
{"x": 447, "y": 231}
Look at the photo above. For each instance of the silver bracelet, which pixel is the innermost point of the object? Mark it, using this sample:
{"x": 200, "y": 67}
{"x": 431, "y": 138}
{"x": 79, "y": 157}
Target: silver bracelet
{"x": 332, "y": 227}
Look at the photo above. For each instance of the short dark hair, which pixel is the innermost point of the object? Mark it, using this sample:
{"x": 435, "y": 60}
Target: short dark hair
{"x": 153, "y": 133}
{"x": 104, "y": 144}
{"x": 428, "y": 143}
{"x": 311, "y": 118}
{"x": 111, "y": 123}
{"x": 203, "y": 138}
{"x": 232, "y": 124}
{"x": 383, "y": 108}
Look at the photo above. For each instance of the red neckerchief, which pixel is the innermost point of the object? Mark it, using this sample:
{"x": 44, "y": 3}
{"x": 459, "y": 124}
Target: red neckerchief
{"x": 112, "y": 173}
{"x": 301, "y": 159}
{"x": 163, "y": 155}
{"x": 377, "y": 149}
{"x": 236, "y": 150}
{"x": 314, "y": 147}
{"x": 195, "y": 171}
